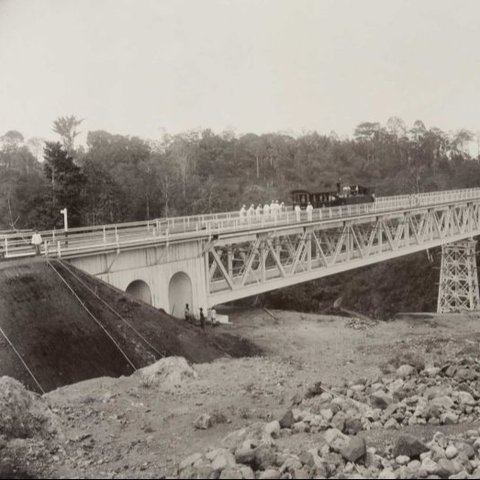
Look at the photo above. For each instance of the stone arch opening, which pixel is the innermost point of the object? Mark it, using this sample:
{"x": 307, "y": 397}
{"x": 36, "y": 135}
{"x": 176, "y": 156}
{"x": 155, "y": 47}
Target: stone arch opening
{"x": 179, "y": 293}
{"x": 140, "y": 290}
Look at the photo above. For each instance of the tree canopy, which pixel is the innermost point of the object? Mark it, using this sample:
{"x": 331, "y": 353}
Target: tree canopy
{"x": 119, "y": 178}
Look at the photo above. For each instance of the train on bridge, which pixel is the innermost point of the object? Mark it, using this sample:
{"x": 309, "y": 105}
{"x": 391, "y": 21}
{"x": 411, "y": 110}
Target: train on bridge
{"x": 343, "y": 195}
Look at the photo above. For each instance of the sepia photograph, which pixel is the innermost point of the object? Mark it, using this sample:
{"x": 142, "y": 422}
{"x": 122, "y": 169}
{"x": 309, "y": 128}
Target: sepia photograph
{"x": 238, "y": 239}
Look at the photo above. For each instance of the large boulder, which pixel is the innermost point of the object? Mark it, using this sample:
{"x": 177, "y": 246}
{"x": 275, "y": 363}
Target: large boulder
{"x": 167, "y": 373}
{"x": 24, "y": 414}
{"x": 410, "y": 446}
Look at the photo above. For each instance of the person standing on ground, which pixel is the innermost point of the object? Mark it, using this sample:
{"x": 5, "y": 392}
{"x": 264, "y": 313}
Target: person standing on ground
{"x": 202, "y": 319}
{"x": 187, "y": 313}
{"x": 213, "y": 314}
{"x": 310, "y": 212}
{"x": 36, "y": 242}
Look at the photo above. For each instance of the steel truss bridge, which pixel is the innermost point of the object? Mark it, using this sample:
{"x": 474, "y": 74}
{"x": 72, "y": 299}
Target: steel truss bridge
{"x": 243, "y": 256}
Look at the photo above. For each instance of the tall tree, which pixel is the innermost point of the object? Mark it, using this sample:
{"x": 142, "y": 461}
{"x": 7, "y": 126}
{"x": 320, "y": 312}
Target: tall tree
{"x": 66, "y": 127}
{"x": 67, "y": 183}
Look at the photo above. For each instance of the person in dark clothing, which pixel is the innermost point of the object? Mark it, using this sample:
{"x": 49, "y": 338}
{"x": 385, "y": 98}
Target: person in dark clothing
{"x": 202, "y": 319}
{"x": 187, "y": 313}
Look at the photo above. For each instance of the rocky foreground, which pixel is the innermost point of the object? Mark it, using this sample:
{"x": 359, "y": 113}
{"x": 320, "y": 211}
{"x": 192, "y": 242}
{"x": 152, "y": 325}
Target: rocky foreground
{"x": 325, "y": 432}
{"x": 408, "y": 394}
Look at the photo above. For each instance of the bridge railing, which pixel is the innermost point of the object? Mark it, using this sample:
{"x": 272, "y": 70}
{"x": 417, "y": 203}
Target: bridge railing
{"x": 381, "y": 205}
{"x": 84, "y": 239}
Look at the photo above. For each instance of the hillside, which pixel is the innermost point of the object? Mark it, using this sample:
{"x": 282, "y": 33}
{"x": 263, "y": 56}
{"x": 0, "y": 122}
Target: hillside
{"x": 62, "y": 343}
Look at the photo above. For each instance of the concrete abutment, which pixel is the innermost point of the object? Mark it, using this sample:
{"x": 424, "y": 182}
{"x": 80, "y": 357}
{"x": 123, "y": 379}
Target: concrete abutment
{"x": 166, "y": 276}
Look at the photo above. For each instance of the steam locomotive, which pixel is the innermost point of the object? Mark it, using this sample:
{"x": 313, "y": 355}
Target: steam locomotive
{"x": 344, "y": 195}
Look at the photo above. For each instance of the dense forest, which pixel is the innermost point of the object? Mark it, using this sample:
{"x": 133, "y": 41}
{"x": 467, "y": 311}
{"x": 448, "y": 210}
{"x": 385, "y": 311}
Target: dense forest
{"x": 116, "y": 178}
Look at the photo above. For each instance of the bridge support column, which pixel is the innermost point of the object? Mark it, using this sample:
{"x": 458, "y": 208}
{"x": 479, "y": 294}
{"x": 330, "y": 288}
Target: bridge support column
{"x": 458, "y": 289}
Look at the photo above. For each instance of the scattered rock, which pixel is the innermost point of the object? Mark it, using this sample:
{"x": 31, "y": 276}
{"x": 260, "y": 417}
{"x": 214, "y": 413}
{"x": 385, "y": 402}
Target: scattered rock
{"x": 405, "y": 371}
{"x": 336, "y": 439}
{"x": 287, "y": 420}
{"x": 409, "y": 446}
{"x": 272, "y": 429}
{"x": 380, "y": 400}
{"x": 354, "y": 450}
{"x": 203, "y": 422}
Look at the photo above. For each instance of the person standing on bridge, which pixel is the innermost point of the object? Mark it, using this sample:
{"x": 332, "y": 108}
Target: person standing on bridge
{"x": 243, "y": 214}
{"x": 276, "y": 209}
{"x": 266, "y": 210}
{"x": 250, "y": 213}
{"x": 310, "y": 211}
{"x": 298, "y": 212}
{"x": 258, "y": 212}
{"x": 36, "y": 242}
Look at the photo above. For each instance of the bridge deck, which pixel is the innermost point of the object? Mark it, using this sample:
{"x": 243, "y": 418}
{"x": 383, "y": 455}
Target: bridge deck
{"x": 94, "y": 239}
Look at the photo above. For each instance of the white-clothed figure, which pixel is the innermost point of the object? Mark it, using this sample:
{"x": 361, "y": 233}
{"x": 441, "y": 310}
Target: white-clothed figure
{"x": 36, "y": 242}
{"x": 258, "y": 212}
{"x": 266, "y": 210}
{"x": 250, "y": 213}
{"x": 277, "y": 209}
{"x": 282, "y": 208}
{"x": 243, "y": 214}
{"x": 310, "y": 212}
{"x": 298, "y": 212}
{"x": 272, "y": 208}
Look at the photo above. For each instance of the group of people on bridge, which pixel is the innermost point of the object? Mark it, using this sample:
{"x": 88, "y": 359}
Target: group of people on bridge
{"x": 272, "y": 210}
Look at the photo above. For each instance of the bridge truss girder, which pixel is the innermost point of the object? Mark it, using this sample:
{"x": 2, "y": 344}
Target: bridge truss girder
{"x": 275, "y": 257}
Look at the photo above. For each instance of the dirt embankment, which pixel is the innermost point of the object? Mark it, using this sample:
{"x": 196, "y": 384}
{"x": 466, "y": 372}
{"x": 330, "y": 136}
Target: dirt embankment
{"x": 54, "y": 324}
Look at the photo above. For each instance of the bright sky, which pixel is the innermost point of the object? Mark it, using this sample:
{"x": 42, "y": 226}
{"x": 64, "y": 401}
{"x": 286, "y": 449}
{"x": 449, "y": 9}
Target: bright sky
{"x": 141, "y": 67}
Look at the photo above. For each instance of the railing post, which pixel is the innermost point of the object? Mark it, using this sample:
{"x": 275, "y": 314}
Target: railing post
{"x": 46, "y": 248}
{"x": 104, "y": 235}
{"x": 59, "y": 250}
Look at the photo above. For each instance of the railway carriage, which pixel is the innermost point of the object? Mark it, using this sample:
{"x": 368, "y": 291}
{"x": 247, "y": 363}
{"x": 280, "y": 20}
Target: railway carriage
{"x": 346, "y": 195}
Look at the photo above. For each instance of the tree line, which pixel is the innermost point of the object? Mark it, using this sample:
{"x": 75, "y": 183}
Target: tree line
{"x": 117, "y": 178}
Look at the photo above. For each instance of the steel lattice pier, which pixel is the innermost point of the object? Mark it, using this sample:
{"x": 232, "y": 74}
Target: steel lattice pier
{"x": 458, "y": 289}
